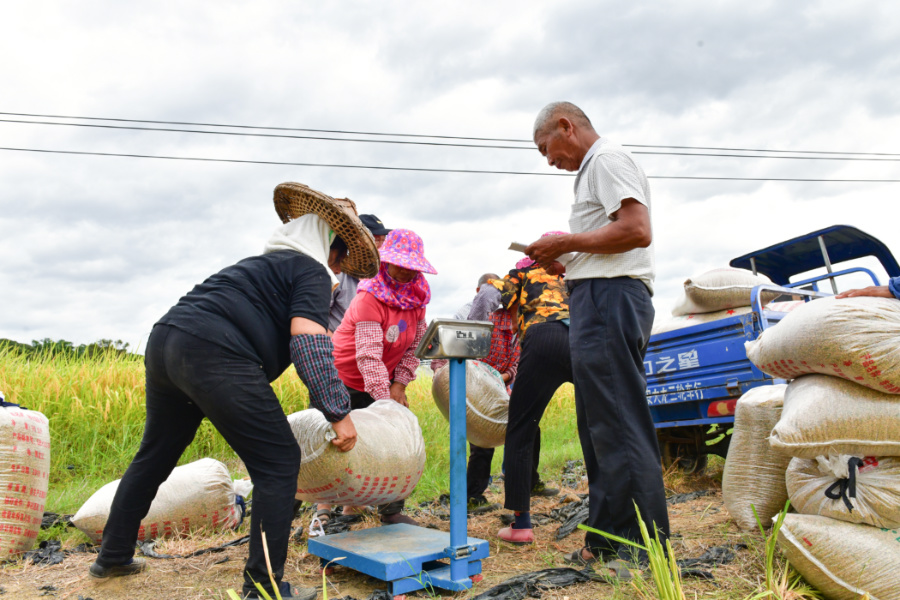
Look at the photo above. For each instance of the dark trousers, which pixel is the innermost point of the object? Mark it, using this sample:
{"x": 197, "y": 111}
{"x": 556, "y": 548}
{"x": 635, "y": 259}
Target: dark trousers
{"x": 188, "y": 379}
{"x": 544, "y": 365}
{"x": 478, "y": 471}
{"x": 611, "y": 321}
{"x": 358, "y": 400}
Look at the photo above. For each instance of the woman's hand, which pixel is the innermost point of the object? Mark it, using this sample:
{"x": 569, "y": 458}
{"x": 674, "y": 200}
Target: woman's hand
{"x": 346, "y": 434}
{"x": 398, "y": 394}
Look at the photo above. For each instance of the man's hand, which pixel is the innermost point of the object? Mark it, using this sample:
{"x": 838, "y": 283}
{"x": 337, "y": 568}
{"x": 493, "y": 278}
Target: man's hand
{"x": 556, "y": 268}
{"x": 346, "y": 434}
{"x": 398, "y": 394}
{"x": 547, "y": 249}
{"x": 880, "y": 291}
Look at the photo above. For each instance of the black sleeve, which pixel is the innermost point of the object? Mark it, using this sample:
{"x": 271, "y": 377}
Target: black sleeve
{"x": 311, "y": 295}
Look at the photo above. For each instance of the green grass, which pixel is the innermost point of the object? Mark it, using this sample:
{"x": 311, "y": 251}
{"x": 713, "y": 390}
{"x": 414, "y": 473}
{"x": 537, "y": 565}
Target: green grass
{"x": 96, "y": 412}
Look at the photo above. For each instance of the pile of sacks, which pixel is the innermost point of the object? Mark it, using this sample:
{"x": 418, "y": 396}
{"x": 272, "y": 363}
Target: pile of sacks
{"x": 718, "y": 294}
{"x": 835, "y": 443}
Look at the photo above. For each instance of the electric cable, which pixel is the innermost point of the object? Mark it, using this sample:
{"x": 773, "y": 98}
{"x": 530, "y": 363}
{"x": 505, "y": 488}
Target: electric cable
{"x": 424, "y": 169}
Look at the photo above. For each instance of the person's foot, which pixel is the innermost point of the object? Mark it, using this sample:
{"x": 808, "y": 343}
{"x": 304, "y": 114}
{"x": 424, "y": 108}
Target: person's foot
{"x": 287, "y": 591}
{"x": 318, "y": 522}
{"x": 515, "y": 536}
{"x": 540, "y": 489}
{"x": 135, "y": 565}
{"x": 397, "y": 519}
{"x": 479, "y": 505}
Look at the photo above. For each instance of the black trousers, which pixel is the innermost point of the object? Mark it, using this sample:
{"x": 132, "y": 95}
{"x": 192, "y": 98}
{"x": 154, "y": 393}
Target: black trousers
{"x": 359, "y": 399}
{"x": 188, "y": 379}
{"x": 478, "y": 471}
{"x": 544, "y": 365}
{"x": 611, "y": 321}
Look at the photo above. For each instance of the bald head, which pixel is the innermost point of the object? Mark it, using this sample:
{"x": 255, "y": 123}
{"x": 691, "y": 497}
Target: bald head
{"x": 484, "y": 279}
{"x": 556, "y": 110}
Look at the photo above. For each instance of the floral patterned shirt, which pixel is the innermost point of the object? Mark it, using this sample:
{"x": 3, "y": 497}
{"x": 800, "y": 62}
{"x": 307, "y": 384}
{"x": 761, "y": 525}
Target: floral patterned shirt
{"x": 538, "y": 296}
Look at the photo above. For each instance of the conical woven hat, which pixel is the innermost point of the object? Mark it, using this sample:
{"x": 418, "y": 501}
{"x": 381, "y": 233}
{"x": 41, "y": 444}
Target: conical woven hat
{"x": 294, "y": 200}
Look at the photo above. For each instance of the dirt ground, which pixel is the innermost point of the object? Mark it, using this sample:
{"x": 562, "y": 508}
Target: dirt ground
{"x": 696, "y": 524}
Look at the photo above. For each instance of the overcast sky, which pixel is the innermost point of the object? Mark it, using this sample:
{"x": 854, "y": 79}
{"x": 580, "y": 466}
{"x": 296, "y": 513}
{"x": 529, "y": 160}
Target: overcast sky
{"x": 100, "y": 247}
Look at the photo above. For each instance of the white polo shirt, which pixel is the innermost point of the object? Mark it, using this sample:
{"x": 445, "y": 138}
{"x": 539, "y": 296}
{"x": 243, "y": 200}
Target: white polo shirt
{"x": 608, "y": 175}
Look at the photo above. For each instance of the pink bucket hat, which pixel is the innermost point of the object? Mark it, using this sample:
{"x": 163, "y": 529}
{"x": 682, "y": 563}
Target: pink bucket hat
{"x": 404, "y": 248}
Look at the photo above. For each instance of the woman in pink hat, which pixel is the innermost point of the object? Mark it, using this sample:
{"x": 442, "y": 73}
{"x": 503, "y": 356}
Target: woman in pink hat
{"x": 375, "y": 343}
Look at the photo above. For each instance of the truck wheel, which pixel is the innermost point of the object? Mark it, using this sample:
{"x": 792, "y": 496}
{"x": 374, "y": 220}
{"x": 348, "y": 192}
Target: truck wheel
{"x": 684, "y": 457}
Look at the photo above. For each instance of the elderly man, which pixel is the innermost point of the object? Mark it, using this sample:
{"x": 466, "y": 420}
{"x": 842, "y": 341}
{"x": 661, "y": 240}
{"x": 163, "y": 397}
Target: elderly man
{"x": 610, "y": 283}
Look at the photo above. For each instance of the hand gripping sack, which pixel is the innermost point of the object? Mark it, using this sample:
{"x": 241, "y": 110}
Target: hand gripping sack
{"x": 754, "y": 473}
{"x": 487, "y": 403}
{"x": 24, "y": 476}
{"x": 852, "y": 338}
{"x": 849, "y": 488}
{"x": 844, "y": 561}
{"x": 197, "y": 495}
{"x": 826, "y": 415}
{"x": 720, "y": 289}
{"x": 384, "y": 465}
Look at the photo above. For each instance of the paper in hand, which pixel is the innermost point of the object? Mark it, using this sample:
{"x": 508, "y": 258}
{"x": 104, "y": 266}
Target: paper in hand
{"x": 563, "y": 259}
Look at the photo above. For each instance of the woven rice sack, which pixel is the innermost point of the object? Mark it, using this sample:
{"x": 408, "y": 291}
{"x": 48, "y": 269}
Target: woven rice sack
{"x": 852, "y": 338}
{"x": 487, "y": 403}
{"x": 827, "y": 415}
{"x": 720, "y": 289}
{"x": 873, "y": 499}
{"x": 384, "y": 465}
{"x": 754, "y": 473}
{"x": 664, "y": 324}
{"x": 843, "y": 560}
{"x": 24, "y": 473}
{"x": 197, "y": 495}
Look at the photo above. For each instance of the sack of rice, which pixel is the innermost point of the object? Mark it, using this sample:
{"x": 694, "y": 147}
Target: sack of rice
{"x": 754, "y": 473}
{"x": 825, "y": 415}
{"x": 384, "y": 465}
{"x": 844, "y": 561}
{"x": 849, "y": 488}
{"x": 487, "y": 403}
{"x": 197, "y": 495}
{"x": 720, "y": 289}
{"x": 852, "y": 338}
{"x": 24, "y": 476}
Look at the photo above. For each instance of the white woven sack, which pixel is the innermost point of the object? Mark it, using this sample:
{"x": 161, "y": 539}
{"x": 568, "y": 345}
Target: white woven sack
{"x": 754, "y": 473}
{"x": 852, "y": 338}
{"x": 662, "y": 324}
{"x": 385, "y": 464}
{"x": 844, "y": 561}
{"x": 487, "y": 403}
{"x": 877, "y": 489}
{"x": 827, "y": 415}
{"x": 720, "y": 289}
{"x": 24, "y": 476}
{"x": 195, "y": 496}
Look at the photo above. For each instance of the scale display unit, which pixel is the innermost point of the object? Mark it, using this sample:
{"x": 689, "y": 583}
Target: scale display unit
{"x": 409, "y": 557}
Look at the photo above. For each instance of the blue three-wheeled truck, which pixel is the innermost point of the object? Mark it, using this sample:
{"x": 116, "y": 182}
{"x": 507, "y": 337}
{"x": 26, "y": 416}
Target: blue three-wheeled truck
{"x": 696, "y": 374}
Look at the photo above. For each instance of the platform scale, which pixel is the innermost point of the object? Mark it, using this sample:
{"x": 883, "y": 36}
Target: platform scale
{"x": 409, "y": 557}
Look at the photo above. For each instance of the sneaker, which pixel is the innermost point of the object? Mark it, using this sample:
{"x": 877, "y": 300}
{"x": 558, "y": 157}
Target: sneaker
{"x": 135, "y": 565}
{"x": 480, "y": 505}
{"x": 397, "y": 519}
{"x": 540, "y": 489}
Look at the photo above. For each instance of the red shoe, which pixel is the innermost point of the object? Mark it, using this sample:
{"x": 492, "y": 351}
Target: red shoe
{"x": 518, "y": 537}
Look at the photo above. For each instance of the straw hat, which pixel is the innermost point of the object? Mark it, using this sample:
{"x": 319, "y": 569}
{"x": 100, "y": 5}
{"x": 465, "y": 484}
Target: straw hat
{"x": 294, "y": 200}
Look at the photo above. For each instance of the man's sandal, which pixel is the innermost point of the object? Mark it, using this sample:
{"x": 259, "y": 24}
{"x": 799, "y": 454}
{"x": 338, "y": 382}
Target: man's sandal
{"x": 610, "y": 570}
{"x": 286, "y": 590}
{"x": 318, "y": 522}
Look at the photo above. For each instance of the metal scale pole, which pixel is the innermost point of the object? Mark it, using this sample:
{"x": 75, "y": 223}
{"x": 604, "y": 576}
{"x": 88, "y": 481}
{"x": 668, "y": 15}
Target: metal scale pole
{"x": 458, "y": 518}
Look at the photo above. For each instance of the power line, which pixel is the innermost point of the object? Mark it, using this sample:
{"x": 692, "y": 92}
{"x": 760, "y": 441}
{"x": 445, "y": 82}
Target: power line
{"x": 405, "y": 142}
{"x": 449, "y": 137}
{"x": 422, "y": 169}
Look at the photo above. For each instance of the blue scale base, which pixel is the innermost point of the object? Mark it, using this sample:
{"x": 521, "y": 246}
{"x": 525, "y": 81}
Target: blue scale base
{"x": 407, "y": 557}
